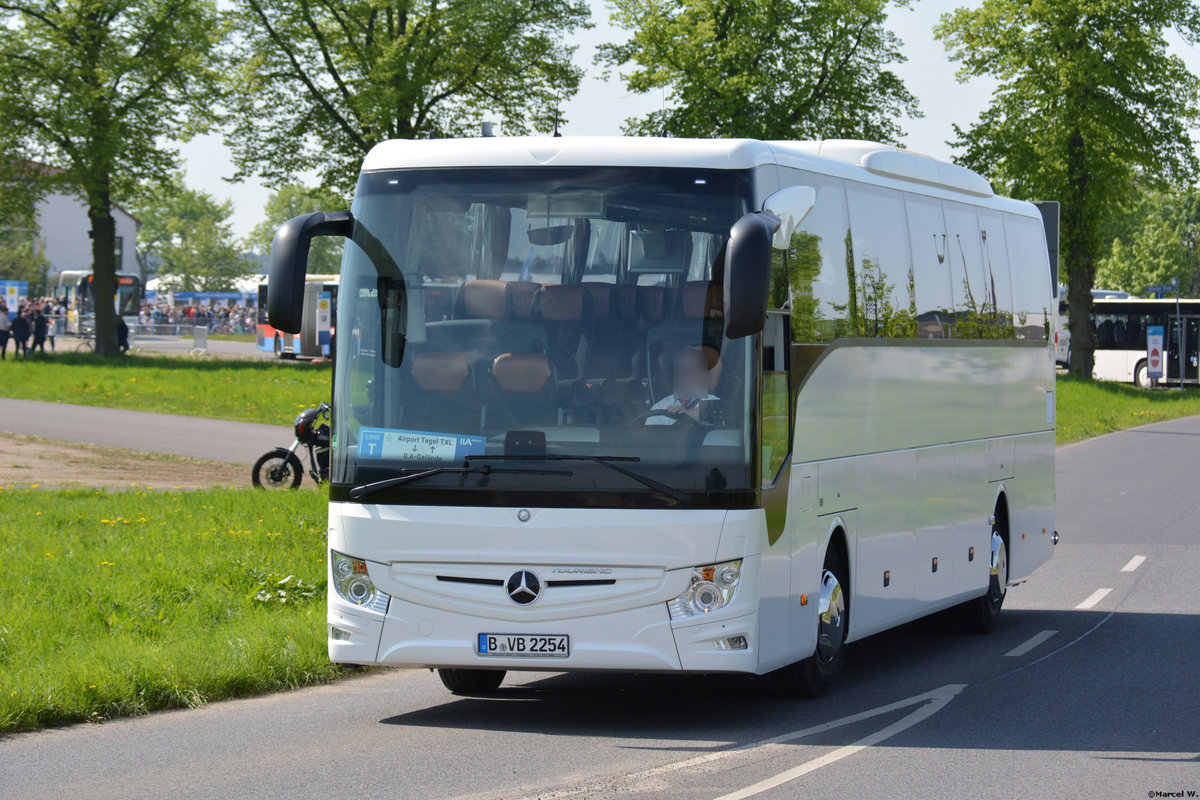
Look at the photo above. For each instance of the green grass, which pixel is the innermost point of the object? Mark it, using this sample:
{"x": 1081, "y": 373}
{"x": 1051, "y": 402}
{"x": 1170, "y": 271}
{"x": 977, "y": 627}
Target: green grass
{"x": 114, "y": 604}
{"x": 248, "y": 391}
{"x": 1091, "y": 408}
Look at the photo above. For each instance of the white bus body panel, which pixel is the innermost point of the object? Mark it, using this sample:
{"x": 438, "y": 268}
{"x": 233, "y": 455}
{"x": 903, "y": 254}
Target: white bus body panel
{"x": 649, "y": 554}
{"x": 907, "y": 485}
{"x": 1116, "y": 365}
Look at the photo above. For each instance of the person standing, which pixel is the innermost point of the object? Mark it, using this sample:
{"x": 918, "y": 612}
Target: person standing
{"x": 20, "y": 333}
{"x": 40, "y": 330}
{"x": 5, "y": 327}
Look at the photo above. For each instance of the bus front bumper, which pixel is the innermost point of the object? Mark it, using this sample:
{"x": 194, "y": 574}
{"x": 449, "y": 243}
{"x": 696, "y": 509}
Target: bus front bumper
{"x": 636, "y": 640}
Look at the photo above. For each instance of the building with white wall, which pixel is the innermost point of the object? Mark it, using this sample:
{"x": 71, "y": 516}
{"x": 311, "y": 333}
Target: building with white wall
{"x": 63, "y": 228}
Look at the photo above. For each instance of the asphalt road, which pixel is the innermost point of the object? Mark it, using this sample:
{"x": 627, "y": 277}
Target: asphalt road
{"x": 211, "y": 439}
{"x": 1088, "y": 688}
{"x": 175, "y": 345}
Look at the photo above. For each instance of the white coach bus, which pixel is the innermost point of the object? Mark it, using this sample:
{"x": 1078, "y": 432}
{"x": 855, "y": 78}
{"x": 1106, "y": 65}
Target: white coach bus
{"x": 691, "y": 406}
{"x": 1119, "y": 325}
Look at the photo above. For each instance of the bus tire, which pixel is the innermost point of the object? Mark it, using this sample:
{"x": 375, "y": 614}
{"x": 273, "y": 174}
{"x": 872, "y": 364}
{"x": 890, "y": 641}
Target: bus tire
{"x": 471, "y": 681}
{"x": 980, "y": 615}
{"x": 1141, "y": 375}
{"x": 813, "y": 676}
{"x": 278, "y": 346}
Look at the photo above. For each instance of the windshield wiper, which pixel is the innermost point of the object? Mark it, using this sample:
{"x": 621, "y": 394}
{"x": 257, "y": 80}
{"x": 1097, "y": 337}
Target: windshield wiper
{"x": 683, "y": 498}
{"x": 359, "y": 492}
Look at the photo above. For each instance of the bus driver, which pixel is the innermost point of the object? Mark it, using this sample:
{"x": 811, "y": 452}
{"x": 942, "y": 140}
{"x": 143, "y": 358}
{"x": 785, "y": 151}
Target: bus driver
{"x": 696, "y": 371}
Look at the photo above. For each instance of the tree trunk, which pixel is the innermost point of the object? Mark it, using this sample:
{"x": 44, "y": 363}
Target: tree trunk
{"x": 104, "y": 267}
{"x": 1077, "y": 236}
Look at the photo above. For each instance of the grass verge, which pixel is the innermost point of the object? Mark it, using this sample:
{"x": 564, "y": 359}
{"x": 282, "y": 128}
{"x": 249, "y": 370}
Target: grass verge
{"x": 123, "y": 603}
{"x": 247, "y": 391}
{"x": 1091, "y": 408}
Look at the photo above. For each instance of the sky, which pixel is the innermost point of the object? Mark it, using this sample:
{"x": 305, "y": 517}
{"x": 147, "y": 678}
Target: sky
{"x": 601, "y": 106}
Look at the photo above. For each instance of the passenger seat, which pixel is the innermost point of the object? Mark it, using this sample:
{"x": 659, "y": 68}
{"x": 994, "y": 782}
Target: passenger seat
{"x": 522, "y": 391}
{"x": 442, "y": 396}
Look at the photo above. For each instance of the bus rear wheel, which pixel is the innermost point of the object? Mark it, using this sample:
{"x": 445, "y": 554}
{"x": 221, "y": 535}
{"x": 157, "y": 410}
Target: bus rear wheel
{"x": 813, "y": 676}
{"x": 471, "y": 681}
{"x": 980, "y": 615}
{"x": 1141, "y": 375}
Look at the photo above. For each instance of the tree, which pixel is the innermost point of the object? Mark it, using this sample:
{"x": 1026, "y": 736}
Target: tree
{"x": 186, "y": 235}
{"x": 771, "y": 69}
{"x": 325, "y": 253}
{"x": 21, "y": 249}
{"x": 22, "y": 259}
{"x": 95, "y": 87}
{"x": 1154, "y": 240}
{"x": 322, "y": 81}
{"x": 1090, "y": 107}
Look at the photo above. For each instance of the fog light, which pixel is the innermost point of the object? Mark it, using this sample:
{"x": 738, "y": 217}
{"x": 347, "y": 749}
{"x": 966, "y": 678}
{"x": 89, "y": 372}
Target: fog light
{"x": 732, "y": 643}
{"x": 338, "y": 634}
{"x": 353, "y": 583}
{"x": 712, "y": 588}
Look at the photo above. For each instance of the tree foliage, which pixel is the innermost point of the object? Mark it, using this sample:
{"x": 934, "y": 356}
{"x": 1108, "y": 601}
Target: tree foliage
{"x": 95, "y": 87}
{"x": 186, "y": 236}
{"x": 22, "y": 255}
{"x": 1090, "y": 105}
{"x": 1155, "y": 240}
{"x": 325, "y": 252}
{"x": 322, "y": 81}
{"x": 769, "y": 69}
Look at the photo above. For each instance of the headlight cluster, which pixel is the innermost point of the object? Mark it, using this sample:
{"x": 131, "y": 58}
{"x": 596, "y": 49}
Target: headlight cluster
{"x": 712, "y": 588}
{"x": 353, "y": 584}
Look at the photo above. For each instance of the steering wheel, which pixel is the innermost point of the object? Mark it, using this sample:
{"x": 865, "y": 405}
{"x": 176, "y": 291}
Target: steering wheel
{"x": 678, "y": 416}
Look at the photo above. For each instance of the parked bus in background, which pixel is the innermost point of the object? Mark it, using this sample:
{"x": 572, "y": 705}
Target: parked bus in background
{"x": 1120, "y": 327}
{"x": 76, "y": 287}
{"x": 699, "y": 405}
{"x": 1062, "y": 339}
{"x": 317, "y": 329}
{"x": 1062, "y": 331}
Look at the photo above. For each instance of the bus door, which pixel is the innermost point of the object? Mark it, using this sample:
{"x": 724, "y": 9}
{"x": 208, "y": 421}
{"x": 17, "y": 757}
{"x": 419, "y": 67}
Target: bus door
{"x": 1191, "y": 349}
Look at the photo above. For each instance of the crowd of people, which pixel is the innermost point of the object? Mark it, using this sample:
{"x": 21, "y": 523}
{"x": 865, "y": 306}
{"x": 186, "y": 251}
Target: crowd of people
{"x": 154, "y": 317}
{"x": 39, "y": 320}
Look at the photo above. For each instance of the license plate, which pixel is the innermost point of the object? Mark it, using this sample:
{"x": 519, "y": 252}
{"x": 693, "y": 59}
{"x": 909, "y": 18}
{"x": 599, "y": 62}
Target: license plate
{"x": 520, "y": 644}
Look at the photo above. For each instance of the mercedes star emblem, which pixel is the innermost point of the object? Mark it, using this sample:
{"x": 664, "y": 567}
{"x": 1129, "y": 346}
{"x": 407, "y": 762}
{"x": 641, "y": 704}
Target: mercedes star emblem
{"x": 523, "y": 587}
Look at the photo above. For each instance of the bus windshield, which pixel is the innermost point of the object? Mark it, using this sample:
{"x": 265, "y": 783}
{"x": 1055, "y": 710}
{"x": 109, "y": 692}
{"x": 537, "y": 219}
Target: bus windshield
{"x": 534, "y": 336}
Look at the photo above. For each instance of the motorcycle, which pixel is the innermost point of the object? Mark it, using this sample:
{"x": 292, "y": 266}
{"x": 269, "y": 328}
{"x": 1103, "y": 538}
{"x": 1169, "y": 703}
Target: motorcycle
{"x": 281, "y": 468}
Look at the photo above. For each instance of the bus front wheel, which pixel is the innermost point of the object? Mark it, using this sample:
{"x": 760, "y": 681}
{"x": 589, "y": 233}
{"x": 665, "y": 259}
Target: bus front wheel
{"x": 278, "y": 346}
{"x": 813, "y": 676}
{"x": 471, "y": 681}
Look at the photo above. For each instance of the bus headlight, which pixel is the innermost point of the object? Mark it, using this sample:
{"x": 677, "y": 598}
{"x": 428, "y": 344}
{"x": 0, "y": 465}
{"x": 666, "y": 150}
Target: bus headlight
{"x": 353, "y": 584}
{"x": 712, "y": 588}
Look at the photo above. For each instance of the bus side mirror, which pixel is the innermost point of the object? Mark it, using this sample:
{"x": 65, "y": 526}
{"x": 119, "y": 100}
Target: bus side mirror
{"x": 289, "y": 264}
{"x": 748, "y": 273}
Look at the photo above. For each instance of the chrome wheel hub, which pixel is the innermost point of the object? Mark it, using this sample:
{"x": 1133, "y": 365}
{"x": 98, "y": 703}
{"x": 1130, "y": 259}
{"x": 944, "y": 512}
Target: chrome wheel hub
{"x": 999, "y": 569}
{"x": 831, "y": 618}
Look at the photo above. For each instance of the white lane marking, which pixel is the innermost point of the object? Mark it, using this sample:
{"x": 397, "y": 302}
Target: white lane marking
{"x": 1093, "y": 598}
{"x": 939, "y": 696}
{"x": 1021, "y": 650}
{"x": 1133, "y": 564}
{"x": 925, "y": 711}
